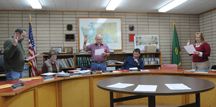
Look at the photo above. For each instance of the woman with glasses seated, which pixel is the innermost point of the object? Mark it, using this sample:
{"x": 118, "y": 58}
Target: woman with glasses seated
{"x": 51, "y": 65}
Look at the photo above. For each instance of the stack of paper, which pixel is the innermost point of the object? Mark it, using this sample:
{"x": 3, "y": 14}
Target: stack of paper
{"x": 190, "y": 49}
{"x": 48, "y": 74}
{"x": 30, "y": 78}
{"x": 120, "y": 85}
{"x": 145, "y": 71}
{"x": 179, "y": 86}
{"x": 146, "y": 88}
{"x": 5, "y": 86}
{"x": 116, "y": 71}
{"x": 99, "y": 51}
{"x": 191, "y": 70}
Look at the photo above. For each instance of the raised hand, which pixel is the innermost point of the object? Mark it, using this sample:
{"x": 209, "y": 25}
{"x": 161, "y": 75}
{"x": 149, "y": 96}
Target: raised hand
{"x": 188, "y": 42}
{"x": 15, "y": 38}
{"x": 85, "y": 38}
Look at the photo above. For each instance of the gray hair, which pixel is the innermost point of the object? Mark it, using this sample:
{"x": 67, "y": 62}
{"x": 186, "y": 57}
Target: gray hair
{"x": 98, "y": 35}
{"x": 52, "y": 52}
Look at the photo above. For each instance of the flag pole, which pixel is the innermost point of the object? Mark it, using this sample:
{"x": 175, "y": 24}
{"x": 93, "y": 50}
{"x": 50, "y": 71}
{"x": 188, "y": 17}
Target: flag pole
{"x": 30, "y": 16}
{"x": 173, "y": 24}
{"x": 30, "y": 65}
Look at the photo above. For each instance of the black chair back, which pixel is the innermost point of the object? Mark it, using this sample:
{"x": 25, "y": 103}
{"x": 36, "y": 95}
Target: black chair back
{"x": 213, "y": 67}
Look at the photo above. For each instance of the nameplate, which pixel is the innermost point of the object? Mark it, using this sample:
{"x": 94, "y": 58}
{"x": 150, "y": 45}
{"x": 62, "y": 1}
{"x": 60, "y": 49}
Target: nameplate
{"x": 17, "y": 86}
{"x": 48, "y": 78}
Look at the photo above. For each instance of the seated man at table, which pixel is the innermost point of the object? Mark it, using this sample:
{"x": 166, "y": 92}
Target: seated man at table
{"x": 133, "y": 61}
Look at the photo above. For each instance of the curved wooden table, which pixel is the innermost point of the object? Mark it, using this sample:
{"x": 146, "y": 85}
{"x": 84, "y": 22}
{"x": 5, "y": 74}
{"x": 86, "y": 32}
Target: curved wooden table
{"x": 68, "y": 91}
{"x": 197, "y": 85}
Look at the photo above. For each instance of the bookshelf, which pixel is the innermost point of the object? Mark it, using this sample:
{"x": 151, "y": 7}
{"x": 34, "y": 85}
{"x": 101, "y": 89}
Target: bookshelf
{"x": 152, "y": 60}
{"x": 80, "y": 60}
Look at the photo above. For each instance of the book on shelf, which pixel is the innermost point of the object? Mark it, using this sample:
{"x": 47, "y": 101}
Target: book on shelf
{"x": 71, "y": 62}
{"x": 83, "y": 61}
{"x": 70, "y": 65}
{"x": 61, "y": 65}
{"x": 150, "y": 59}
{"x": 44, "y": 59}
{"x": 66, "y": 62}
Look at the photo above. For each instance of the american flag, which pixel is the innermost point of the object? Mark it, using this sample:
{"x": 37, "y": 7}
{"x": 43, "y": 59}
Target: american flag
{"x": 33, "y": 62}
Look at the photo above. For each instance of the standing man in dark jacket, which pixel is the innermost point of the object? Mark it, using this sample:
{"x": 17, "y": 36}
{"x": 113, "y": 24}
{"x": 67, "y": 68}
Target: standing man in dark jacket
{"x": 14, "y": 55}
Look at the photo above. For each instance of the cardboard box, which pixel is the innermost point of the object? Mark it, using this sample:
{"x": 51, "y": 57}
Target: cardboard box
{"x": 150, "y": 48}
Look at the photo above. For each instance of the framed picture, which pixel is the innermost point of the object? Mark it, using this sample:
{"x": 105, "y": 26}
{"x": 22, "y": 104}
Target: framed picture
{"x": 68, "y": 49}
{"x": 146, "y": 40}
{"x": 69, "y": 37}
{"x": 57, "y": 49}
{"x": 109, "y": 27}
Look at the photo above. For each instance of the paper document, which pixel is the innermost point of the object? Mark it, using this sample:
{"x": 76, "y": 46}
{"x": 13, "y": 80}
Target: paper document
{"x": 191, "y": 70}
{"x": 146, "y": 88}
{"x": 5, "y": 86}
{"x": 179, "y": 86}
{"x": 30, "y": 78}
{"x": 32, "y": 57}
{"x": 49, "y": 73}
{"x": 111, "y": 68}
{"x": 116, "y": 71}
{"x": 99, "y": 51}
{"x": 120, "y": 85}
{"x": 119, "y": 62}
{"x": 145, "y": 70}
{"x": 190, "y": 49}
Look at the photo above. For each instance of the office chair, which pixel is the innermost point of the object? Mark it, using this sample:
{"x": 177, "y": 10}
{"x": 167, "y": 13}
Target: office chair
{"x": 169, "y": 66}
{"x": 213, "y": 67}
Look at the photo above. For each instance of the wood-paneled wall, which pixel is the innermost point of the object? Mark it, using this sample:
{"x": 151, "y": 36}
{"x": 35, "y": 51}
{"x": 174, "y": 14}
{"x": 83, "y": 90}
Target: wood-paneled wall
{"x": 49, "y": 29}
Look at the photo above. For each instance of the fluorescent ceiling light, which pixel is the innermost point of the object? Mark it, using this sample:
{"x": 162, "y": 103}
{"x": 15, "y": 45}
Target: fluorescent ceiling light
{"x": 113, "y": 4}
{"x": 35, "y": 4}
{"x": 171, "y": 5}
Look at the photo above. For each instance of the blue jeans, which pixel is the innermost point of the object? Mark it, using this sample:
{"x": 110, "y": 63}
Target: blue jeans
{"x": 97, "y": 66}
{"x": 13, "y": 75}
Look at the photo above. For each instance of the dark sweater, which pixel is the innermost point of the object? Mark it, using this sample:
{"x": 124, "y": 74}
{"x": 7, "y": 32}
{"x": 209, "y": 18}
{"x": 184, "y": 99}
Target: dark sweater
{"x": 130, "y": 63}
{"x": 14, "y": 56}
{"x": 205, "y": 49}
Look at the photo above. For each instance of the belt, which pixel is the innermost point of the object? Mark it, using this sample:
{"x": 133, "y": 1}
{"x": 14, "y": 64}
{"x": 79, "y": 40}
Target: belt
{"x": 98, "y": 61}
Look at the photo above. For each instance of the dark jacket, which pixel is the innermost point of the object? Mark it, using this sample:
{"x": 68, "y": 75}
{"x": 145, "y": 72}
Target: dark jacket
{"x": 14, "y": 56}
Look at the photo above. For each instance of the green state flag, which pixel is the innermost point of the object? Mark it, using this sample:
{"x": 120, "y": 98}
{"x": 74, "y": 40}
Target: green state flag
{"x": 175, "y": 48}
